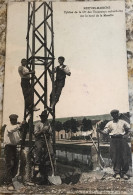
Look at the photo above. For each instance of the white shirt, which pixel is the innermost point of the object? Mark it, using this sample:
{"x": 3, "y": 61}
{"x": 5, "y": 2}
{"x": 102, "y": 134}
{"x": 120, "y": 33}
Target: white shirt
{"x": 11, "y": 134}
{"x": 65, "y": 68}
{"x": 116, "y": 128}
{"x": 22, "y": 70}
{"x": 42, "y": 127}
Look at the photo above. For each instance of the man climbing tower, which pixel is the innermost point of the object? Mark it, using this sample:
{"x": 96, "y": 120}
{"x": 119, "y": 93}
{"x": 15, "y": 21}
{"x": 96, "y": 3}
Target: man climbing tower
{"x": 26, "y": 85}
{"x": 61, "y": 72}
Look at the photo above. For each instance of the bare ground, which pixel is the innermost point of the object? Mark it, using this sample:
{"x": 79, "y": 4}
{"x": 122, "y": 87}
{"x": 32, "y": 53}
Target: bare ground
{"x": 94, "y": 182}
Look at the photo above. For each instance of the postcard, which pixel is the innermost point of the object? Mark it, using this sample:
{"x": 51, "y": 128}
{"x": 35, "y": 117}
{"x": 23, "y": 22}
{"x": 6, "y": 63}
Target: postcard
{"x": 66, "y": 95}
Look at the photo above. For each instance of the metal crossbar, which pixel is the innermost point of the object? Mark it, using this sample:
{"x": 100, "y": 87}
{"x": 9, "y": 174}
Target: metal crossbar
{"x": 40, "y": 52}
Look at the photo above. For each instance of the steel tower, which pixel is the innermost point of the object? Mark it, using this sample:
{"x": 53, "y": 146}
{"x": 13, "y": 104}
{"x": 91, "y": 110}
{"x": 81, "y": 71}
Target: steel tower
{"x": 40, "y": 58}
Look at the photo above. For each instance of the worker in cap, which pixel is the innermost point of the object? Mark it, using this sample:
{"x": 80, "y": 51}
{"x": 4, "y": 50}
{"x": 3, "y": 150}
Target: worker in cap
{"x": 43, "y": 127}
{"x": 26, "y": 75}
{"x": 61, "y": 72}
{"x": 11, "y": 139}
{"x": 13, "y": 116}
{"x": 115, "y": 114}
{"x": 119, "y": 149}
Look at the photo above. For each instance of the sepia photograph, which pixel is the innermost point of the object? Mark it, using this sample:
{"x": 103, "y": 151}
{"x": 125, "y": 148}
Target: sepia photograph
{"x": 66, "y": 124}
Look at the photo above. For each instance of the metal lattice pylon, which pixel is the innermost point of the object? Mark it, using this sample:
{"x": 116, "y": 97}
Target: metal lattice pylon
{"x": 40, "y": 53}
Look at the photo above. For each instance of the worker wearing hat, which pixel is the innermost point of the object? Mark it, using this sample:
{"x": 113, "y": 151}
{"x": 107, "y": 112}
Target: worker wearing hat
{"x": 26, "y": 85}
{"x": 11, "y": 139}
{"x": 119, "y": 149}
{"x": 43, "y": 127}
{"x": 61, "y": 72}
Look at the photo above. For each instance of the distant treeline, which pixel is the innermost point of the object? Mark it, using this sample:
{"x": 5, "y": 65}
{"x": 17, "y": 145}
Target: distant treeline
{"x": 73, "y": 125}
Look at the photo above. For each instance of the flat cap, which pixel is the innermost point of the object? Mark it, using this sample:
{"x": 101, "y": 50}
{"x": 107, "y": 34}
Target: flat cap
{"x": 114, "y": 111}
{"x": 23, "y": 60}
{"x": 13, "y": 116}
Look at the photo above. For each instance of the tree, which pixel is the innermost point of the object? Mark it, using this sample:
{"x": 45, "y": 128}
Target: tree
{"x": 101, "y": 127}
{"x": 58, "y": 127}
{"x": 66, "y": 126}
{"x": 102, "y": 124}
{"x": 73, "y": 125}
{"x": 86, "y": 124}
{"x": 70, "y": 125}
{"x": 78, "y": 123}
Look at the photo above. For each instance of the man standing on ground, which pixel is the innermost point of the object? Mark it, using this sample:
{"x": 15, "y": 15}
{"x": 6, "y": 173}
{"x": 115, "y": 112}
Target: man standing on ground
{"x": 11, "y": 139}
{"x": 43, "y": 128}
{"x": 61, "y": 72}
{"x": 119, "y": 149}
{"x": 26, "y": 85}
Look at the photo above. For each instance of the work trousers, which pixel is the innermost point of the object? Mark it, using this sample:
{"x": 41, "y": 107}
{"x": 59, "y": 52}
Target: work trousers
{"x": 11, "y": 161}
{"x": 42, "y": 156}
{"x": 58, "y": 89}
{"x": 119, "y": 152}
{"x": 42, "y": 150}
{"x": 27, "y": 93}
{"x": 40, "y": 145}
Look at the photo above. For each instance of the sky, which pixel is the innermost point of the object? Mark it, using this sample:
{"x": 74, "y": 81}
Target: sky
{"x": 94, "y": 49}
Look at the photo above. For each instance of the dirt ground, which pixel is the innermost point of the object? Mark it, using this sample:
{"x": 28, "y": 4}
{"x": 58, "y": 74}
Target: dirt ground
{"x": 75, "y": 182}
{"x": 94, "y": 187}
